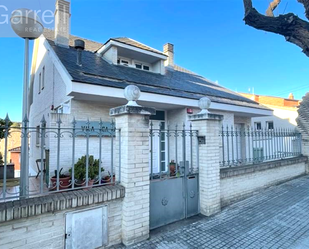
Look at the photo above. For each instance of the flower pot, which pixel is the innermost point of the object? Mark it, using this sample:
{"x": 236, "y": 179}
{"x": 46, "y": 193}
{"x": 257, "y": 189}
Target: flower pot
{"x": 172, "y": 169}
{"x": 106, "y": 180}
{"x": 90, "y": 184}
{"x": 64, "y": 182}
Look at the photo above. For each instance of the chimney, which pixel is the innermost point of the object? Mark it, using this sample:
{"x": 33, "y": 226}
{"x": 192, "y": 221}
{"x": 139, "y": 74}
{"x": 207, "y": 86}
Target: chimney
{"x": 168, "y": 49}
{"x": 291, "y": 96}
{"x": 62, "y": 23}
{"x": 79, "y": 46}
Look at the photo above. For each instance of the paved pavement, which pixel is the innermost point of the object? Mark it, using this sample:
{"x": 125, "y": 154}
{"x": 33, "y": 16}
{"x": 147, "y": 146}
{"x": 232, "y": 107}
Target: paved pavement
{"x": 277, "y": 217}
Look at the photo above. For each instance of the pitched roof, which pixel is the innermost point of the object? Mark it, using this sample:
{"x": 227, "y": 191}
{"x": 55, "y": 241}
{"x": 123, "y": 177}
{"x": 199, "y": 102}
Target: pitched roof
{"x": 177, "y": 82}
{"x": 92, "y": 46}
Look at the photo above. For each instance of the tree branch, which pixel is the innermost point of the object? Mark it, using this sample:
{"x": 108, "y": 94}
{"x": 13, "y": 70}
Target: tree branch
{"x": 294, "y": 29}
{"x": 306, "y": 6}
{"x": 272, "y": 6}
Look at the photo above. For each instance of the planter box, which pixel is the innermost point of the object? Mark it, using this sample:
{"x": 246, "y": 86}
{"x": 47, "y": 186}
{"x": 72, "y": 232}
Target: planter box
{"x": 9, "y": 171}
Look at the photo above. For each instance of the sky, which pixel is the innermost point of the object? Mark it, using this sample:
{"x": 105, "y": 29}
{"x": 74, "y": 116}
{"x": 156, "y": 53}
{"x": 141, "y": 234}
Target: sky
{"x": 210, "y": 38}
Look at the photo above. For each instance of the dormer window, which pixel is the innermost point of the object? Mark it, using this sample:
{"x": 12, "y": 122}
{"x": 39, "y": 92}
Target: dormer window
{"x": 133, "y": 63}
{"x": 123, "y": 61}
{"x": 142, "y": 66}
{"x": 128, "y": 52}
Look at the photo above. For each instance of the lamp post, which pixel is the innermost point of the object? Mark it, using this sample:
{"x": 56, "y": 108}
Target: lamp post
{"x": 27, "y": 25}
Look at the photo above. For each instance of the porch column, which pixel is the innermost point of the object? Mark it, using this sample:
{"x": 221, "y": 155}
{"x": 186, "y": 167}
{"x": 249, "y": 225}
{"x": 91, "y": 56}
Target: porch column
{"x": 208, "y": 126}
{"x": 133, "y": 121}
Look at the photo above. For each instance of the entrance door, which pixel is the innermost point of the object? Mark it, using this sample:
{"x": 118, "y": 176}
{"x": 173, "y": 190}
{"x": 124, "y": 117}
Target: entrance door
{"x": 174, "y": 190}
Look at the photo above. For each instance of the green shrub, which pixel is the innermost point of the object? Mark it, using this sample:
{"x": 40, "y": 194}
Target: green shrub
{"x": 80, "y": 168}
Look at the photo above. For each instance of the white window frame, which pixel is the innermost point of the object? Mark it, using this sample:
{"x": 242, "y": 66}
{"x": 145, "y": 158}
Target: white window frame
{"x": 142, "y": 64}
{"x": 165, "y": 121}
{"x": 267, "y": 125}
{"x": 255, "y": 125}
{"x": 120, "y": 58}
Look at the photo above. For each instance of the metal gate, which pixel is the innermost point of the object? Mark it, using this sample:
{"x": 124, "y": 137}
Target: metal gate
{"x": 174, "y": 165}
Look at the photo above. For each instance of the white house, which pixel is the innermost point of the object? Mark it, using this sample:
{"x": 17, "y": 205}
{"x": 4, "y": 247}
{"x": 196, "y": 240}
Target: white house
{"x": 71, "y": 81}
{"x": 284, "y": 111}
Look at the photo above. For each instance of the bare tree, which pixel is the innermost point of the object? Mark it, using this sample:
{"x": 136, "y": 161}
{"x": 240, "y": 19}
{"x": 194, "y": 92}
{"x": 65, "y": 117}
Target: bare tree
{"x": 293, "y": 28}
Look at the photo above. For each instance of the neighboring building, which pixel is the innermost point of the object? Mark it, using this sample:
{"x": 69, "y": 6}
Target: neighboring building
{"x": 284, "y": 111}
{"x": 14, "y": 141}
{"x": 70, "y": 82}
{"x": 15, "y": 159}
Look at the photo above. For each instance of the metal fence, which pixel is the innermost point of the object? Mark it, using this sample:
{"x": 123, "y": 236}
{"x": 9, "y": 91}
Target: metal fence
{"x": 174, "y": 152}
{"x": 249, "y": 146}
{"x": 81, "y": 155}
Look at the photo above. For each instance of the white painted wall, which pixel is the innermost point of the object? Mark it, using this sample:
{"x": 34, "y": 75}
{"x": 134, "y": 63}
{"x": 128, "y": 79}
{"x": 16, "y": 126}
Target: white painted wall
{"x": 111, "y": 55}
{"x": 48, "y": 230}
{"x": 283, "y": 117}
{"x": 54, "y": 93}
{"x": 238, "y": 187}
{"x": 82, "y": 111}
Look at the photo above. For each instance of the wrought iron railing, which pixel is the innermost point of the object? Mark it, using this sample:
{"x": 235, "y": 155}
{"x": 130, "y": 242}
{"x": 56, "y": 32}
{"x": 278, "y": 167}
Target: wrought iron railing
{"x": 174, "y": 152}
{"x": 80, "y": 155}
{"x": 248, "y": 146}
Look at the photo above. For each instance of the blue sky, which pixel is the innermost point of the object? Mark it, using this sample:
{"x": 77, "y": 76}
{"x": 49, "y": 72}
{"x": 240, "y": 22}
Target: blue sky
{"x": 210, "y": 38}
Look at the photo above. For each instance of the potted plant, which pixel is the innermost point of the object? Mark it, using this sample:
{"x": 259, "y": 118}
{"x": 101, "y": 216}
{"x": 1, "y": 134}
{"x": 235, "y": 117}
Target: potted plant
{"x": 80, "y": 170}
{"x": 172, "y": 168}
{"x": 64, "y": 180}
{"x": 108, "y": 178}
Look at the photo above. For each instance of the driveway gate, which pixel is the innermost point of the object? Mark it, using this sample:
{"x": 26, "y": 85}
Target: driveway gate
{"x": 174, "y": 186}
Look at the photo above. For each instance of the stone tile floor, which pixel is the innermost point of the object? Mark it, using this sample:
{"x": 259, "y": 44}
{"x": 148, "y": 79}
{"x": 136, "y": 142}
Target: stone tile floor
{"x": 277, "y": 217}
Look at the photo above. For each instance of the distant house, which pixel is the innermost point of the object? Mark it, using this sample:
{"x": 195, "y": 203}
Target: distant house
{"x": 15, "y": 159}
{"x": 68, "y": 82}
{"x": 13, "y": 143}
{"x": 284, "y": 111}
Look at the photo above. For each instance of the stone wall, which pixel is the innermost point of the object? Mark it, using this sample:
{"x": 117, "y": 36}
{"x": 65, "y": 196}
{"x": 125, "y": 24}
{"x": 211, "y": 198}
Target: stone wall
{"x": 240, "y": 182}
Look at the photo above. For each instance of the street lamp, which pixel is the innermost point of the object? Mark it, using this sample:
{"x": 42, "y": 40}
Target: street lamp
{"x": 27, "y": 25}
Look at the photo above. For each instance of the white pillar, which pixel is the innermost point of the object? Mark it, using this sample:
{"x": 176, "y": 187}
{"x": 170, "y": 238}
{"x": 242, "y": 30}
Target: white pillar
{"x": 133, "y": 121}
{"x": 208, "y": 125}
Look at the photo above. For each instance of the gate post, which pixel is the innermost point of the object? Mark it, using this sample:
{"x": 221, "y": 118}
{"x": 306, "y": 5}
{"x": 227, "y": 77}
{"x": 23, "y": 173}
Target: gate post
{"x": 133, "y": 121}
{"x": 208, "y": 126}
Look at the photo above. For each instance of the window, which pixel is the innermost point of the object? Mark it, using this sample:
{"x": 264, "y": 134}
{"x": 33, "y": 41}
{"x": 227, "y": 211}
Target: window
{"x": 270, "y": 125}
{"x": 162, "y": 147}
{"x": 43, "y": 78}
{"x": 258, "y": 125}
{"x": 123, "y": 61}
{"x": 146, "y": 68}
{"x": 139, "y": 66}
{"x": 40, "y": 82}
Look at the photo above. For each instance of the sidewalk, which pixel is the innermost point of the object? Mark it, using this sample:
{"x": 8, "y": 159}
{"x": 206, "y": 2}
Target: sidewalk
{"x": 277, "y": 217}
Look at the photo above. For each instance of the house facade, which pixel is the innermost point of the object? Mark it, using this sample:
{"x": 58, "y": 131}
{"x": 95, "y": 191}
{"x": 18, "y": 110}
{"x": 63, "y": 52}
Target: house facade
{"x": 284, "y": 111}
{"x": 178, "y": 145}
{"x": 75, "y": 78}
